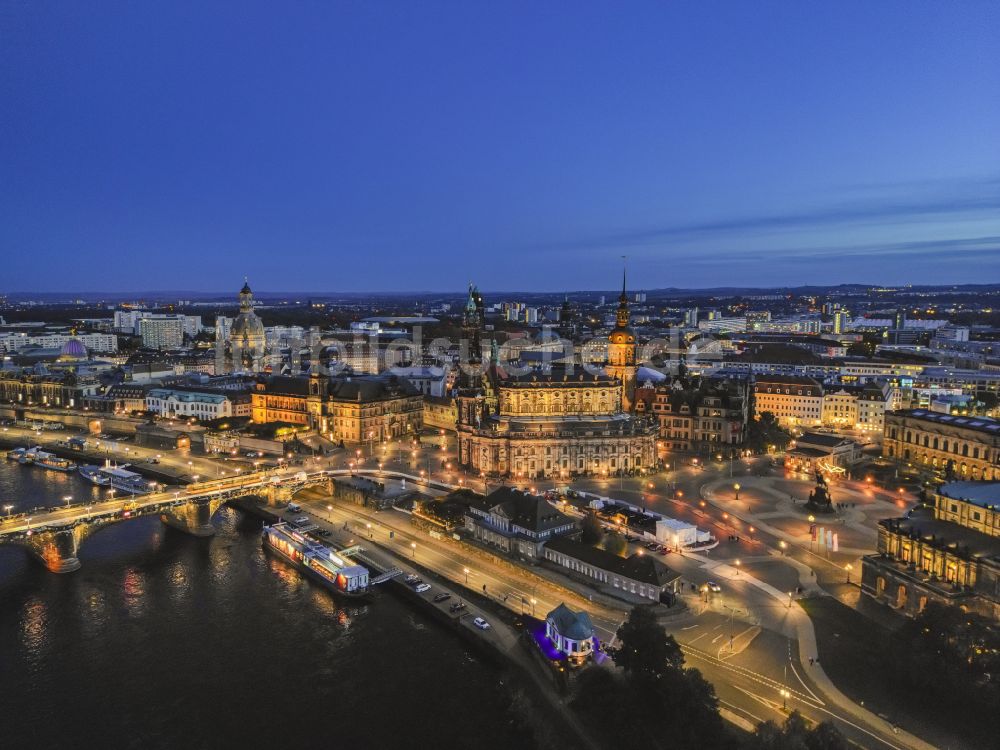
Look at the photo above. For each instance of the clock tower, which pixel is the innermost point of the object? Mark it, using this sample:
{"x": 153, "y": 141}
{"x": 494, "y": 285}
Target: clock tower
{"x": 621, "y": 351}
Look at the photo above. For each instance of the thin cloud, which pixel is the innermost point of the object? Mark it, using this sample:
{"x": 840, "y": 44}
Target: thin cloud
{"x": 963, "y": 200}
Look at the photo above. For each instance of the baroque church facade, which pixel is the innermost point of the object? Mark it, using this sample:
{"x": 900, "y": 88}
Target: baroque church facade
{"x": 243, "y": 347}
{"x": 556, "y": 421}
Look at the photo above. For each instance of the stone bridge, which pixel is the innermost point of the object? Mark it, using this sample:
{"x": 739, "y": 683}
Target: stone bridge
{"x": 55, "y": 536}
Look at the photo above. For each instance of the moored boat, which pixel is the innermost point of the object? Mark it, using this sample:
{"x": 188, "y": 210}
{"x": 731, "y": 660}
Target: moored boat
{"x": 123, "y": 480}
{"x": 317, "y": 561}
{"x": 54, "y": 462}
{"x": 93, "y": 474}
{"x": 29, "y": 455}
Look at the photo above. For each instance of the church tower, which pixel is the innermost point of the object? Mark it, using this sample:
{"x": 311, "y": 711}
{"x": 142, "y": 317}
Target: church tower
{"x": 473, "y": 322}
{"x": 621, "y": 351}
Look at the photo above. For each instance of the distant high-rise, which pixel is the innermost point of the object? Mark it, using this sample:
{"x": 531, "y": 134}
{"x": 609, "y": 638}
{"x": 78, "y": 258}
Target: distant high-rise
{"x": 162, "y": 331}
{"x": 900, "y": 320}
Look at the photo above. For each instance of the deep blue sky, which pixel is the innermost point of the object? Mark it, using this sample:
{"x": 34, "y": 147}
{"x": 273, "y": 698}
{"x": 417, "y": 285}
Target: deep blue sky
{"x": 417, "y": 145}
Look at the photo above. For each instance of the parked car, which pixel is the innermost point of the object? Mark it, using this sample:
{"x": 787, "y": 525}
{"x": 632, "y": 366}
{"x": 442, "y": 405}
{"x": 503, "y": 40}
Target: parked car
{"x": 411, "y": 578}
{"x": 457, "y": 607}
{"x": 442, "y": 597}
{"x": 480, "y": 623}
{"x": 713, "y": 586}
{"x": 422, "y": 587}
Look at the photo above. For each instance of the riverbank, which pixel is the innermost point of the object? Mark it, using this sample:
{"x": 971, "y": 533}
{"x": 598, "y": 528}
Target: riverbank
{"x": 503, "y": 644}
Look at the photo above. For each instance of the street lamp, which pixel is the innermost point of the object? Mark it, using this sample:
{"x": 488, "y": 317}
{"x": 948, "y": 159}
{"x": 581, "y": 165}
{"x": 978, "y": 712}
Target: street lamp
{"x": 413, "y": 549}
{"x": 784, "y": 699}
{"x": 737, "y": 568}
{"x": 534, "y": 601}
{"x": 369, "y": 527}
{"x": 737, "y": 488}
{"x": 783, "y": 545}
{"x": 329, "y": 512}
{"x": 466, "y": 571}
{"x": 789, "y": 600}
{"x": 67, "y": 499}
{"x": 7, "y": 509}
{"x": 848, "y": 568}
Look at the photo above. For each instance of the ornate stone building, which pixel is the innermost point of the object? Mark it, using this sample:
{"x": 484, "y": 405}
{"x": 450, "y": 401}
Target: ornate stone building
{"x": 697, "y": 414}
{"x": 245, "y": 347}
{"x": 473, "y": 322}
{"x": 295, "y": 400}
{"x": 963, "y": 447}
{"x": 621, "y": 352}
{"x": 370, "y": 409}
{"x": 947, "y": 551}
{"x": 353, "y": 409}
{"x": 556, "y": 422}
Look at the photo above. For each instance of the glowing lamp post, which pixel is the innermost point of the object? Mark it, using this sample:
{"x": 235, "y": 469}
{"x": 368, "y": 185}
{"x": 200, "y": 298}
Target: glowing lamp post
{"x": 413, "y": 549}
{"x": 466, "y": 571}
{"x": 736, "y": 488}
{"x": 848, "y": 568}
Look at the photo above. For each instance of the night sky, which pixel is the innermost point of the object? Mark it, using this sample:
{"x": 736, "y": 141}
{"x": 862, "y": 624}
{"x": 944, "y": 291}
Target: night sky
{"x": 328, "y": 146}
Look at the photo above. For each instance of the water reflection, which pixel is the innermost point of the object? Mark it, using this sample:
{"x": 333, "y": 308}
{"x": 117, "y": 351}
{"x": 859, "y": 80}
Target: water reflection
{"x": 158, "y": 625}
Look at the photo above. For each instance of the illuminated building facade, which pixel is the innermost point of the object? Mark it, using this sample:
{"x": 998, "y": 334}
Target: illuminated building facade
{"x": 621, "y": 352}
{"x": 372, "y": 409}
{"x": 947, "y": 551}
{"x": 351, "y": 409}
{"x": 243, "y": 347}
{"x": 792, "y": 400}
{"x": 553, "y": 422}
{"x": 708, "y": 415}
{"x": 963, "y": 447}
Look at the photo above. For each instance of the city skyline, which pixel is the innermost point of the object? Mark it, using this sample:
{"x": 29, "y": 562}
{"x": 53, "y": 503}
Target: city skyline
{"x": 760, "y": 147}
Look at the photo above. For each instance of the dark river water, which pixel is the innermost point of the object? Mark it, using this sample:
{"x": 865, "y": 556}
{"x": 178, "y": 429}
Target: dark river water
{"x": 162, "y": 640}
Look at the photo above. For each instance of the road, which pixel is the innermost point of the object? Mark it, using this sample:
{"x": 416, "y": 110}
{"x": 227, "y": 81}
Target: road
{"x": 741, "y": 639}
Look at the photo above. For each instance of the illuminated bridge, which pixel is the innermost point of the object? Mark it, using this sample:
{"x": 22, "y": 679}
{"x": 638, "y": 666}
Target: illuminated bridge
{"x": 55, "y": 535}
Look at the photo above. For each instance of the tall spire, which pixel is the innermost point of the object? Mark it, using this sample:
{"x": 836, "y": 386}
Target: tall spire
{"x": 622, "y": 316}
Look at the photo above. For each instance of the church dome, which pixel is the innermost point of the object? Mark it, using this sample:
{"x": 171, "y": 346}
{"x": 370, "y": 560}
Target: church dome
{"x": 247, "y": 325}
{"x": 73, "y": 349}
